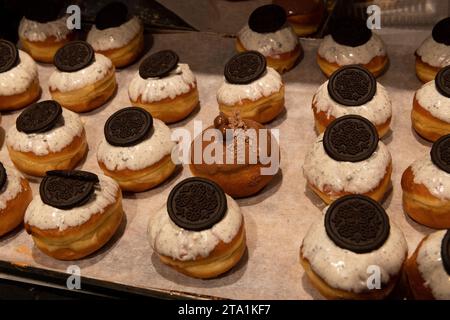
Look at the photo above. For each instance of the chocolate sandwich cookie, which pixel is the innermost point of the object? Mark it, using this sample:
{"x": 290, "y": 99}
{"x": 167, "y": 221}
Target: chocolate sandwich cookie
{"x": 3, "y": 176}
{"x": 350, "y": 138}
{"x": 112, "y": 15}
{"x": 9, "y": 55}
{"x": 350, "y": 32}
{"x": 128, "y": 127}
{"x": 442, "y": 81}
{"x": 39, "y": 117}
{"x": 245, "y": 67}
{"x": 441, "y": 32}
{"x": 268, "y": 18}
{"x": 67, "y": 189}
{"x": 42, "y": 11}
{"x": 445, "y": 252}
{"x": 352, "y": 85}
{"x": 74, "y": 56}
{"x": 196, "y": 204}
{"x": 357, "y": 223}
{"x": 440, "y": 153}
{"x": 159, "y": 64}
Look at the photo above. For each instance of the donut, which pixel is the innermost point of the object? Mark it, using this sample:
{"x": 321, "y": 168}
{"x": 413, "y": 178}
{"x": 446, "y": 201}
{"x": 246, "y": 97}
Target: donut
{"x": 268, "y": 33}
{"x": 429, "y": 115}
{"x": 116, "y": 35}
{"x": 136, "y": 150}
{"x": 426, "y": 187}
{"x": 252, "y": 88}
{"x": 340, "y": 248}
{"x": 15, "y": 195}
{"x": 19, "y": 81}
{"x": 352, "y": 90}
{"x": 200, "y": 232}
{"x": 83, "y": 80}
{"x": 428, "y": 269}
{"x": 46, "y": 137}
{"x": 236, "y": 179}
{"x": 75, "y": 213}
{"x": 434, "y": 52}
{"x": 165, "y": 88}
{"x": 348, "y": 159}
{"x": 351, "y": 42}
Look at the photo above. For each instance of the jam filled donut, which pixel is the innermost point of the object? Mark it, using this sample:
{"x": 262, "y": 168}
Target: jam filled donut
{"x": 268, "y": 33}
{"x": 430, "y": 115}
{"x": 15, "y": 195}
{"x": 353, "y": 236}
{"x": 165, "y": 88}
{"x": 234, "y": 136}
{"x": 46, "y": 137}
{"x": 42, "y": 32}
{"x": 352, "y": 90}
{"x": 428, "y": 269}
{"x": 434, "y": 53}
{"x": 305, "y": 16}
{"x": 19, "y": 81}
{"x": 351, "y": 42}
{"x": 75, "y": 213}
{"x": 426, "y": 187}
{"x": 84, "y": 80}
{"x": 251, "y": 88}
{"x": 200, "y": 232}
{"x": 117, "y": 35}
{"x": 348, "y": 158}
{"x": 136, "y": 150}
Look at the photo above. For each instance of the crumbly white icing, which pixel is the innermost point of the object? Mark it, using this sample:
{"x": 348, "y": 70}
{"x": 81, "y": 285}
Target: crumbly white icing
{"x": 12, "y": 186}
{"x": 140, "y": 156}
{"x": 45, "y": 217}
{"x": 180, "y": 81}
{"x": 167, "y": 239}
{"x": 434, "y": 53}
{"x": 431, "y": 100}
{"x": 18, "y": 79}
{"x": 38, "y": 32}
{"x": 269, "y": 44}
{"x": 434, "y": 179}
{"x": 68, "y": 81}
{"x": 378, "y": 110}
{"x": 54, "y": 140}
{"x": 328, "y": 174}
{"x": 346, "y": 270}
{"x": 429, "y": 263}
{"x": 231, "y": 94}
{"x": 334, "y": 52}
{"x": 113, "y": 38}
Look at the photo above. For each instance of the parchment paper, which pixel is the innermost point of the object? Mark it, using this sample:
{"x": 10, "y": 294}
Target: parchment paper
{"x": 277, "y": 218}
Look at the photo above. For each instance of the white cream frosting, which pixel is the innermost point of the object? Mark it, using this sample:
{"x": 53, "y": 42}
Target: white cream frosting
{"x": 328, "y": 174}
{"x": 434, "y": 179}
{"x": 45, "y": 217}
{"x": 434, "y": 53}
{"x": 53, "y": 140}
{"x": 68, "y": 81}
{"x": 431, "y": 100}
{"x": 38, "y": 32}
{"x": 231, "y": 94}
{"x": 12, "y": 187}
{"x": 429, "y": 263}
{"x": 334, "y": 52}
{"x": 140, "y": 156}
{"x": 378, "y": 110}
{"x": 346, "y": 270}
{"x": 167, "y": 239}
{"x": 269, "y": 44}
{"x": 18, "y": 79}
{"x": 113, "y": 38}
{"x": 180, "y": 81}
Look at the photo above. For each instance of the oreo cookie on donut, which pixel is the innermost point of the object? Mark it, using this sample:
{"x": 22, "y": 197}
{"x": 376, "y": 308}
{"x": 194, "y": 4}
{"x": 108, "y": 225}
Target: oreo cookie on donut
{"x": 74, "y": 56}
{"x": 245, "y": 67}
{"x": 9, "y": 55}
